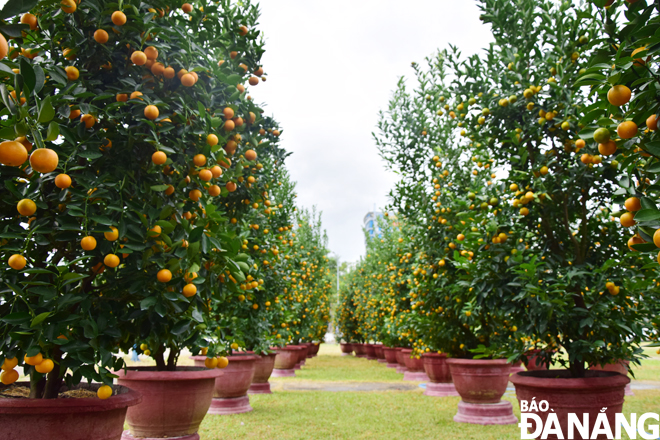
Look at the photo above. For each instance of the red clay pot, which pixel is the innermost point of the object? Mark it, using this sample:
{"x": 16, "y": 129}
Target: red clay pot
{"x": 370, "y": 351}
{"x": 359, "y": 349}
{"x": 286, "y": 359}
{"x": 620, "y": 367}
{"x": 415, "y": 367}
{"x": 440, "y": 382}
{"x": 346, "y": 349}
{"x": 390, "y": 357}
{"x": 315, "y": 348}
{"x": 600, "y": 389}
{"x": 263, "y": 368}
{"x": 436, "y": 367}
{"x": 230, "y": 392}
{"x": 66, "y": 419}
{"x": 174, "y": 403}
{"x": 401, "y": 361}
{"x": 531, "y": 364}
{"x": 480, "y": 380}
{"x": 302, "y": 355}
{"x": 378, "y": 349}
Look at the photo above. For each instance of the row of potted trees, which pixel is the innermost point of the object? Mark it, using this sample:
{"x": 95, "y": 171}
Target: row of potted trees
{"x": 146, "y": 206}
{"x": 509, "y": 236}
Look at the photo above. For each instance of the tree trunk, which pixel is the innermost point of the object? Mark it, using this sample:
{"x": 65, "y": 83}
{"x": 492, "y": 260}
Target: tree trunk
{"x": 37, "y": 386}
{"x": 160, "y": 361}
{"x": 172, "y": 359}
{"x": 54, "y": 378}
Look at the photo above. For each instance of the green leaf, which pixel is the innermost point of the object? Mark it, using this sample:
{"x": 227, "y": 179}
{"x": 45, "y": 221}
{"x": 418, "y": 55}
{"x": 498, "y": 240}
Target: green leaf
{"x": 101, "y": 219}
{"x": 196, "y": 234}
{"x": 16, "y": 7}
{"x": 16, "y": 318}
{"x": 234, "y": 79}
{"x": 14, "y": 30}
{"x": 53, "y": 131}
{"x": 647, "y": 215}
{"x": 201, "y": 109}
{"x": 39, "y": 319}
{"x": 148, "y": 302}
{"x": 40, "y": 78}
{"x": 28, "y": 74}
{"x": 47, "y": 112}
{"x": 159, "y": 187}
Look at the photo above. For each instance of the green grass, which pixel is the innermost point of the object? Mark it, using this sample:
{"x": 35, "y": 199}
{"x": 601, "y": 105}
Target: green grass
{"x": 366, "y": 415}
{"x": 330, "y": 366}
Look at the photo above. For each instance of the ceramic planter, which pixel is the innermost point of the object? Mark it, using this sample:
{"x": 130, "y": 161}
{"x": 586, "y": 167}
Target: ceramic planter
{"x": 565, "y": 395}
{"x": 174, "y": 403}
{"x": 390, "y": 357}
{"x": 415, "y": 367}
{"x": 263, "y": 368}
{"x": 440, "y": 382}
{"x": 401, "y": 361}
{"x": 230, "y": 392}
{"x": 346, "y": 349}
{"x": 302, "y": 355}
{"x": 315, "y": 349}
{"x": 620, "y": 367}
{"x": 370, "y": 350}
{"x": 378, "y": 348}
{"x": 359, "y": 350}
{"x": 286, "y": 359}
{"x": 481, "y": 384}
{"x": 67, "y": 419}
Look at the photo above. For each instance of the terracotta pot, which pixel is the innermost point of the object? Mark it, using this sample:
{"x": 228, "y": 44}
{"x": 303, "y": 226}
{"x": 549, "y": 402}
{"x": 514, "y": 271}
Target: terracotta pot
{"x": 286, "y": 359}
{"x": 390, "y": 357}
{"x": 378, "y": 349}
{"x": 440, "y": 382}
{"x": 436, "y": 367}
{"x": 302, "y": 355}
{"x": 480, "y": 380}
{"x": 415, "y": 367}
{"x": 620, "y": 367}
{"x": 346, "y": 349}
{"x": 401, "y": 361}
{"x": 517, "y": 367}
{"x": 599, "y": 389}
{"x": 310, "y": 348}
{"x": 230, "y": 392}
{"x": 315, "y": 349}
{"x": 534, "y": 362}
{"x": 66, "y": 419}
{"x": 359, "y": 349}
{"x": 263, "y": 368}
{"x": 370, "y": 351}
{"x": 174, "y": 403}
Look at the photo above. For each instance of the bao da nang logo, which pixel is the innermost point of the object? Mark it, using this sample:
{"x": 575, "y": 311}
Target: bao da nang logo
{"x": 539, "y": 421}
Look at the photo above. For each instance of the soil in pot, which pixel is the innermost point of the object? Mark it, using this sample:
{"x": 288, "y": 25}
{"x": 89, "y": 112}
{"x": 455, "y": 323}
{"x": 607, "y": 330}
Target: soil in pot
{"x": 66, "y": 418}
{"x": 565, "y": 395}
{"x": 174, "y": 403}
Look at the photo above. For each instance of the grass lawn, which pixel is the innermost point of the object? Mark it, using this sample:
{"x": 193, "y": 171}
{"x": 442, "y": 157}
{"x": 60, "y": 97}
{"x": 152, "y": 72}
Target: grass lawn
{"x": 372, "y": 415}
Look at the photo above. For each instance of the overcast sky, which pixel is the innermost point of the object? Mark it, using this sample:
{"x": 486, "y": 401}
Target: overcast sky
{"x": 331, "y": 66}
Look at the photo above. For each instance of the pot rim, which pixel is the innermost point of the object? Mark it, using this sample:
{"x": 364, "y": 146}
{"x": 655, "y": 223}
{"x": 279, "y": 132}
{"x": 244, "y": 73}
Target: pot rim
{"x": 434, "y": 355}
{"x": 597, "y": 379}
{"x": 181, "y": 373}
{"x": 288, "y": 347}
{"x": 233, "y": 357}
{"x": 126, "y": 398}
{"x": 477, "y": 362}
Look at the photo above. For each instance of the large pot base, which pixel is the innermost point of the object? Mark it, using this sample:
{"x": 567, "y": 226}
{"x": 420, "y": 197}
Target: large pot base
{"x": 440, "y": 389}
{"x": 415, "y": 376}
{"x": 371, "y": 358}
{"x": 230, "y": 405}
{"x": 283, "y": 373}
{"x": 500, "y": 413}
{"x": 392, "y": 365}
{"x": 401, "y": 369}
{"x": 260, "y": 388}
{"x": 127, "y": 436}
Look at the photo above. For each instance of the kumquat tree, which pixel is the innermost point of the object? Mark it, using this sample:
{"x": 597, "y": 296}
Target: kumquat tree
{"x": 136, "y": 170}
